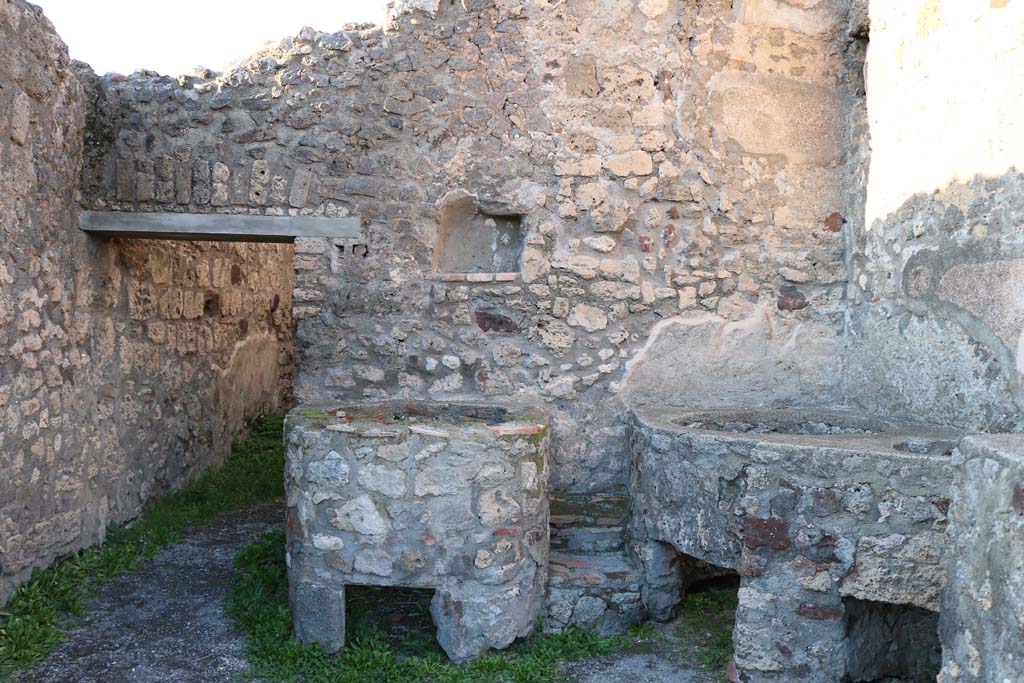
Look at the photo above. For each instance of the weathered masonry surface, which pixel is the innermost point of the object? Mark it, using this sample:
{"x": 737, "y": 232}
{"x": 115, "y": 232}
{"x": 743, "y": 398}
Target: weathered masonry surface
{"x": 613, "y": 209}
{"x": 637, "y": 198}
{"x": 827, "y": 517}
{"x": 126, "y": 367}
{"x": 427, "y": 495}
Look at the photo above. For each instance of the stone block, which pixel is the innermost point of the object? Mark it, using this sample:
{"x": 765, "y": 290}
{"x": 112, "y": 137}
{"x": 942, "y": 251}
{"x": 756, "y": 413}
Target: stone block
{"x": 320, "y": 615}
{"x": 774, "y": 116}
{"x": 580, "y": 76}
{"x": 21, "y": 118}
{"x": 220, "y": 177}
{"x": 183, "y": 183}
{"x": 299, "y": 194}
{"x": 201, "y": 184}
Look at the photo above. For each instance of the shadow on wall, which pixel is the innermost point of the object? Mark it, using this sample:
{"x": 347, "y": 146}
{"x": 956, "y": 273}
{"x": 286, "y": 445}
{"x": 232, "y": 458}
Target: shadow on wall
{"x": 253, "y": 384}
{"x": 936, "y": 308}
{"x": 937, "y": 272}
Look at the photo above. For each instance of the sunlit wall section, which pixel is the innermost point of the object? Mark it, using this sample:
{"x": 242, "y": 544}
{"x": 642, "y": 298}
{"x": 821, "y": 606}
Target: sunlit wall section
{"x": 945, "y": 100}
{"x": 937, "y": 267}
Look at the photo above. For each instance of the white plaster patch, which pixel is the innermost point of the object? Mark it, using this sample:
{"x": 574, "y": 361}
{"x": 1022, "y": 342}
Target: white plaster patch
{"x": 406, "y": 6}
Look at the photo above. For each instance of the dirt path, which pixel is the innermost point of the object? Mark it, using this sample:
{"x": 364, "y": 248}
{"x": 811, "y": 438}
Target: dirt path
{"x": 165, "y": 622}
{"x": 657, "y": 659}
{"x": 649, "y": 667}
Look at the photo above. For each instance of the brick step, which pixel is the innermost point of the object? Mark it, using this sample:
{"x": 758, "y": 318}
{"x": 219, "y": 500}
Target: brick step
{"x": 588, "y": 510}
{"x": 596, "y": 570}
{"x": 587, "y": 538}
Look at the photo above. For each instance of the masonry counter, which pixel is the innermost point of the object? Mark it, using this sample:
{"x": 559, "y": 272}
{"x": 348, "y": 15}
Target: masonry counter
{"x": 834, "y": 520}
{"x": 418, "y": 494}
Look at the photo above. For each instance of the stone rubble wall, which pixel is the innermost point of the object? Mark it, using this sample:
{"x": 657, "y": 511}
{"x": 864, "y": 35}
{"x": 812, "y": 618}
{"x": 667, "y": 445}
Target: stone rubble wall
{"x": 937, "y": 264}
{"x": 126, "y": 367}
{"x": 716, "y": 207}
{"x": 668, "y": 158}
{"x": 592, "y": 582}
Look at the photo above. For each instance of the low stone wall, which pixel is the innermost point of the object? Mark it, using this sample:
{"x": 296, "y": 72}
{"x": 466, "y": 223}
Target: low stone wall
{"x": 450, "y": 497}
{"x": 982, "y": 619}
{"x": 813, "y": 509}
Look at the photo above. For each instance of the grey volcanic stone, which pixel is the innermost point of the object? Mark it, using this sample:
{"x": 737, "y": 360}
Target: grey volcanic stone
{"x": 320, "y": 614}
{"x": 636, "y": 668}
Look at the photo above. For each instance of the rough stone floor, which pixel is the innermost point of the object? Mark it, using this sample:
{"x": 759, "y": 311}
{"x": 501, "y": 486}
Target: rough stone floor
{"x": 659, "y": 665}
{"x": 166, "y": 622}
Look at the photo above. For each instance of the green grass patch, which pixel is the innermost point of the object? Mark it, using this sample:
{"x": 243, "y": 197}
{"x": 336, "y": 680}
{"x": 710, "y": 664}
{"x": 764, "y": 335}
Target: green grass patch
{"x": 705, "y": 625}
{"x": 384, "y": 646}
{"x": 33, "y": 620}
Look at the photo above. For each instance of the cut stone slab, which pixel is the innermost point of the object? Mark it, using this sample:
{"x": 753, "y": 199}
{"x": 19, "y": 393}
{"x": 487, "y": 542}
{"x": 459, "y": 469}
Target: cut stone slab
{"x": 216, "y": 226}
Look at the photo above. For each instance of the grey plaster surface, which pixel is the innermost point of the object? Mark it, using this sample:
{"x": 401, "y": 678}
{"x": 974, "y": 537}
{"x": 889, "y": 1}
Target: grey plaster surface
{"x": 165, "y": 622}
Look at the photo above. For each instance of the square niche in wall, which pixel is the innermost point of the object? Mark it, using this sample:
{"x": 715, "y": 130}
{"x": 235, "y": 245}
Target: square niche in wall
{"x": 470, "y": 240}
{"x": 887, "y": 642}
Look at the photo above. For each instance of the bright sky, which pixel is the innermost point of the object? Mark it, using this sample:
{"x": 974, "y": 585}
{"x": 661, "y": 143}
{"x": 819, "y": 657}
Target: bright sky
{"x": 173, "y": 36}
